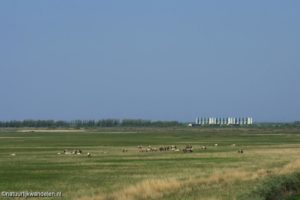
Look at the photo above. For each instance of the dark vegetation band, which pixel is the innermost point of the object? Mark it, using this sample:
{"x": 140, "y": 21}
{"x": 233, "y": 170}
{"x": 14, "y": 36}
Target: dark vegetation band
{"x": 88, "y": 123}
{"x": 121, "y": 123}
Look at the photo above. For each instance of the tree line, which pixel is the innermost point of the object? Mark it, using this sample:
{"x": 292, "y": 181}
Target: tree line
{"x": 87, "y": 123}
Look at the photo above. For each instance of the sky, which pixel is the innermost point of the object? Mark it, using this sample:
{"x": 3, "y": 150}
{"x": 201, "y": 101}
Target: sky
{"x": 157, "y": 60}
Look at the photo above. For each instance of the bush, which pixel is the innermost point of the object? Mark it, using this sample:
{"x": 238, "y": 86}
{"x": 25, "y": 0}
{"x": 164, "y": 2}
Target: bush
{"x": 283, "y": 187}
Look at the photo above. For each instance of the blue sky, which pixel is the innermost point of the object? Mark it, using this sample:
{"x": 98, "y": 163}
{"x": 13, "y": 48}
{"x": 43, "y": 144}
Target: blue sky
{"x": 159, "y": 60}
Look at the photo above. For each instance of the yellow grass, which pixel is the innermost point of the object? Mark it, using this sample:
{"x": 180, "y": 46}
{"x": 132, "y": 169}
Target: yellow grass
{"x": 157, "y": 188}
{"x": 291, "y": 167}
{"x": 149, "y": 189}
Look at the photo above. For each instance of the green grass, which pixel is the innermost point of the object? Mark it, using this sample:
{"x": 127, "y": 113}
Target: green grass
{"x": 110, "y": 173}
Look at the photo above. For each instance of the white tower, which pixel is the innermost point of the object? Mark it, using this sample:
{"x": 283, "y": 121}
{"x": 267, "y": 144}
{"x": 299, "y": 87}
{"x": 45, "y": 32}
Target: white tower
{"x": 249, "y": 121}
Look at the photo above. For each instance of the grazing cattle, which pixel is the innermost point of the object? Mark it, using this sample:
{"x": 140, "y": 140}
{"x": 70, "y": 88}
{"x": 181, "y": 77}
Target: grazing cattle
{"x": 185, "y": 150}
{"x": 203, "y": 147}
{"x": 124, "y": 150}
{"x": 164, "y": 148}
{"x": 68, "y": 152}
{"x": 173, "y": 148}
{"x": 74, "y": 152}
{"x": 240, "y": 151}
{"x": 13, "y": 154}
{"x": 188, "y": 148}
{"x": 77, "y": 152}
{"x": 140, "y": 148}
{"x": 88, "y": 154}
{"x": 233, "y": 145}
{"x": 153, "y": 149}
{"x": 161, "y": 149}
{"x": 216, "y": 145}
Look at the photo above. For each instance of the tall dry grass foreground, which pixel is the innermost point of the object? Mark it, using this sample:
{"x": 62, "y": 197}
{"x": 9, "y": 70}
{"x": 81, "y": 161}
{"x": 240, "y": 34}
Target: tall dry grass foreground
{"x": 158, "y": 188}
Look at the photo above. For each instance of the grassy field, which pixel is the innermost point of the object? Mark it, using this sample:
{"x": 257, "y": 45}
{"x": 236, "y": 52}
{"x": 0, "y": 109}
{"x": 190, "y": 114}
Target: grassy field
{"x": 29, "y": 161}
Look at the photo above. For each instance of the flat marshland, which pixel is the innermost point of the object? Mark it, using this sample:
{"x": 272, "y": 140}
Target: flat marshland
{"x": 34, "y": 161}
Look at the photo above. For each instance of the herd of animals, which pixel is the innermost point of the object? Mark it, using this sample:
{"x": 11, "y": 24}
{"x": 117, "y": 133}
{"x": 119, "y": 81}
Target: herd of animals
{"x": 187, "y": 149}
{"x": 75, "y": 152}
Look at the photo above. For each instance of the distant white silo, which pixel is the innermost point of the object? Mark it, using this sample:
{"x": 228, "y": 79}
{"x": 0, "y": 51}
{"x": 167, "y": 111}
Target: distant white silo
{"x": 249, "y": 120}
{"x": 212, "y": 120}
{"x": 230, "y": 120}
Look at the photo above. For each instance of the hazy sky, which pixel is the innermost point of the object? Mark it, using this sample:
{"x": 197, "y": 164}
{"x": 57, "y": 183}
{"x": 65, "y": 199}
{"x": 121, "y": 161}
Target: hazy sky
{"x": 158, "y": 59}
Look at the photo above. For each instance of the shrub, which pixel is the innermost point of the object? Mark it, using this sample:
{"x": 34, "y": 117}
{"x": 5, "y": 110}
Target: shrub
{"x": 283, "y": 187}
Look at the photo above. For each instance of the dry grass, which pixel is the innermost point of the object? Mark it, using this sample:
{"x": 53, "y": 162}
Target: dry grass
{"x": 149, "y": 189}
{"x": 290, "y": 168}
{"x": 96, "y": 197}
{"x": 158, "y": 188}
{"x": 277, "y": 151}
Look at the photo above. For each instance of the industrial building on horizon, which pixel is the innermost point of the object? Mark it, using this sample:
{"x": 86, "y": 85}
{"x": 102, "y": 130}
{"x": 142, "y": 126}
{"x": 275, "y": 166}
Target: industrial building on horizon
{"x": 224, "y": 121}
